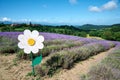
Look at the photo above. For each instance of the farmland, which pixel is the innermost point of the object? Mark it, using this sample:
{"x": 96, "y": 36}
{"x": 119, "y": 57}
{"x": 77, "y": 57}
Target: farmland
{"x": 60, "y": 40}
{"x": 62, "y": 54}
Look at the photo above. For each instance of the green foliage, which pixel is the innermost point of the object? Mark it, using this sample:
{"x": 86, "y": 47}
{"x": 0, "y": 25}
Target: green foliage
{"x": 15, "y": 61}
{"x": 117, "y": 36}
{"x": 115, "y": 28}
{"x": 108, "y": 35}
{"x": 29, "y": 74}
{"x": 6, "y": 28}
{"x": 107, "y": 32}
{"x": 94, "y": 33}
{"x": 93, "y": 27}
{"x": 64, "y": 29}
{"x": 22, "y": 55}
{"x": 8, "y": 49}
{"x": 112, "y": 33}
{"x": 37, "y": 60}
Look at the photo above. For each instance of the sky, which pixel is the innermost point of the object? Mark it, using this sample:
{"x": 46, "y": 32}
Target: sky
{"x": 73, "y": 12}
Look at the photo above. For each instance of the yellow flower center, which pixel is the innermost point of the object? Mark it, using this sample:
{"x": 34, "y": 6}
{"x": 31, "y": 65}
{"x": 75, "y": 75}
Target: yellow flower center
{"x": 31, "y": 42}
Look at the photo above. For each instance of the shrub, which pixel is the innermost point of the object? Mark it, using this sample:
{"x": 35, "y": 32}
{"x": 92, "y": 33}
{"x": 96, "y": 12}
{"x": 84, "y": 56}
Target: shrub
{"x": 8, "y": 49}
{"x": 108, "y": 69}
{"x": 22, "y": 55}
{"x": 53, "y": 48}
{"x": 55, "y": 42}
{"x": 66, "y": 58}
{"x": 42, "y": 71}
{"x": 8, "y": 45}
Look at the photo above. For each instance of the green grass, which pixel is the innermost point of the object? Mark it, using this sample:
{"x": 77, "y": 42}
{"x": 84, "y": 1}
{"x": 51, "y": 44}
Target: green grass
{"x": 19, "y": 29}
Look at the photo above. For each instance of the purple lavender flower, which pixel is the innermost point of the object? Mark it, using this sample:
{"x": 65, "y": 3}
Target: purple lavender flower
{"x": 53, "y": 36}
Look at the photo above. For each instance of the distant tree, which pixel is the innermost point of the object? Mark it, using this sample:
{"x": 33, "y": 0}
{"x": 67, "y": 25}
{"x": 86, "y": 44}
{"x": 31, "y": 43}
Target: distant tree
{"x": 117, "y": 36}
{"x": 108, "y": 35}
{"x": 94, "y": 33}
{"x": 115, "y": 28}
{"x": 2, "y": 25}
{"x": 7, "y": 28}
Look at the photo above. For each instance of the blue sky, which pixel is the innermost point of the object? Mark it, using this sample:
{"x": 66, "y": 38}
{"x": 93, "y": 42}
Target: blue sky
{"x": 76, "y": 12}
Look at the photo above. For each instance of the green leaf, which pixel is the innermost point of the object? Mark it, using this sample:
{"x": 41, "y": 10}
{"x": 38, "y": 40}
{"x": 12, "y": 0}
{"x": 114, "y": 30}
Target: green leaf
{"x": 37, "y": 60}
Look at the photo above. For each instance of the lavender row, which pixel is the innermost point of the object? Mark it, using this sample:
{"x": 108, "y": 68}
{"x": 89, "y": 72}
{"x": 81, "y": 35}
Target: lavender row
{"x": 54, "y": 42}
{"x": 66, "y": 45}
{"x": 48, "y": 36}
{"x": 66, "y": 58}
{"x": 109, "y": 65}
{"x": 8, "y": 45}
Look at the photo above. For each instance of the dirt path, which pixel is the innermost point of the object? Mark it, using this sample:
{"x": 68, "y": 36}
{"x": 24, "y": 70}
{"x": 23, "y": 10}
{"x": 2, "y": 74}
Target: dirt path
{"x": 80, "y": 68}
{"x": 11, "y": 69}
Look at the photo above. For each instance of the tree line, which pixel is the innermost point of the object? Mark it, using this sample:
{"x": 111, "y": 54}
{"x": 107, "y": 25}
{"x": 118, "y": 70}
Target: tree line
{"x": 110, "y": 33}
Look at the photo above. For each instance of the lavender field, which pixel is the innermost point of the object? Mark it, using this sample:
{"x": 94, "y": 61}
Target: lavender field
{"x": 60, "y": 52}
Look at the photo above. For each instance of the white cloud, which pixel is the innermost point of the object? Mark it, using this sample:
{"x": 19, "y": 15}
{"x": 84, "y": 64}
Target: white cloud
{"x": 6, "y": 19}
{"x": 73, "y": 1}
{"x": 107, "y": 6}
{"x": 94, "y": 9}
{"x": 110, "y": 5}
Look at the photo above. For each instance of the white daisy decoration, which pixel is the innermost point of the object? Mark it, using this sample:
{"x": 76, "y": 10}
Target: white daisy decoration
{"x": 30, "y": 41}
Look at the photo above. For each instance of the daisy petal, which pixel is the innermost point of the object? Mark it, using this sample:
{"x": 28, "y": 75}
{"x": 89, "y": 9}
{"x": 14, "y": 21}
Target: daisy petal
{"x": 35, "y": 34}
{"x": 27, "y": 50}
{"x": 40, "y": 38}
{"x": 20, "y": 45}
{"x": 21, "y": 37}
{"x": 35, "y": 50}
{"x": 39, "y": 45}
{"x": 27, "y": 33}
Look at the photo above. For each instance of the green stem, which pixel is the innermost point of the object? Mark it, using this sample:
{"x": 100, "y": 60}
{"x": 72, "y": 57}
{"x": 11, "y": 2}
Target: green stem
{"x": 33, "y": 71}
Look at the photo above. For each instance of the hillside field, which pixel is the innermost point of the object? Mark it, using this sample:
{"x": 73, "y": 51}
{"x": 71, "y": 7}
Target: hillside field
{"x": 65, "y": 57}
